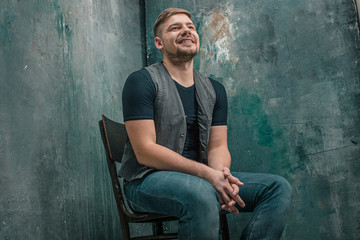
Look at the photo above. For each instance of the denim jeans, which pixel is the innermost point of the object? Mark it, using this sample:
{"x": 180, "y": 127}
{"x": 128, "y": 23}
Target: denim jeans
{"x": 196, "y": 203}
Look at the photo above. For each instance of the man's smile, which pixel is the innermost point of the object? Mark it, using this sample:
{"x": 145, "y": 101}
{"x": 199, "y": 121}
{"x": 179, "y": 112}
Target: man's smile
{"x": 186, "y": 40}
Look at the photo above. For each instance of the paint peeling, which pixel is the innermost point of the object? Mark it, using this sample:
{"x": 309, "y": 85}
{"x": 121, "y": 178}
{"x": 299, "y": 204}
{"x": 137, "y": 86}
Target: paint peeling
{"x": 216, "y": 30}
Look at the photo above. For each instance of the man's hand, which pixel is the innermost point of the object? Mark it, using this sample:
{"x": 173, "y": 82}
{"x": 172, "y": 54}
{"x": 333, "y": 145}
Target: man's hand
{"x": 223, "y": 187}
{"x": 235, "y": 183}
{"x": 231, "y": 178}
{"x": 228, "y": 208}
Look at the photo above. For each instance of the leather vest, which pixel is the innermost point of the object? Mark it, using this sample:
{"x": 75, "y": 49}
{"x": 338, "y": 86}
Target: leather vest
{"x": 170, "y": 119}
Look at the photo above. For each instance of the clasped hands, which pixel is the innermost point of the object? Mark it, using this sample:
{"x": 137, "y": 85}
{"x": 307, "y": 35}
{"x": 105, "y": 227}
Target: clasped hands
{"x": 227, "y": 187}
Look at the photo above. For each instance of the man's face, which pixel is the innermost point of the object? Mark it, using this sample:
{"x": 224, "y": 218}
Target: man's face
{"x": 179, "y": 39}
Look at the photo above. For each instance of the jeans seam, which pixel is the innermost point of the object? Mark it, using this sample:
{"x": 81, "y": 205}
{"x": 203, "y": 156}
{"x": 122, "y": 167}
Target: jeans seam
{"x": 258, "y": 213}
{"x": 155, "y": 196}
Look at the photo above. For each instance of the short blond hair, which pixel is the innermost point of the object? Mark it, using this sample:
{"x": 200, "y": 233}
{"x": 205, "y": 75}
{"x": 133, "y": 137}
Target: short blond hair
{"x": 165, "y": 15}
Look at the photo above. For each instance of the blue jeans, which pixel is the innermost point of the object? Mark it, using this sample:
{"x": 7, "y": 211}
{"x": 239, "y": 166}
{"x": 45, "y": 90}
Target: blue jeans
{"x": 196, "y": 203}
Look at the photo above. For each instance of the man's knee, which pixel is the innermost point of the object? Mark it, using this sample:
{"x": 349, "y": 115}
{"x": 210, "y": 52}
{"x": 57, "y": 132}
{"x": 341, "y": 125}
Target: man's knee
{"x": 282, "y": 187}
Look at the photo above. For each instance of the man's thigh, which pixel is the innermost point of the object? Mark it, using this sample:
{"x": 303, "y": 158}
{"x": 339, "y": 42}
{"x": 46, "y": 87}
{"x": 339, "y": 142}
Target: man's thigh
{"x": 170, "y": 193}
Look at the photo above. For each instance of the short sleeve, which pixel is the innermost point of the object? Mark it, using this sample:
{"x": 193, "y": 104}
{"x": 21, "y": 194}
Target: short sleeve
{"x": 138, "y": 96}
{"x": 221, "y": 105}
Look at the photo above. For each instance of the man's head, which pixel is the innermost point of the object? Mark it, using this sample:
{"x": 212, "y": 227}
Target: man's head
{"x": 176, "y": 36}
{"x": 164, "y": 16}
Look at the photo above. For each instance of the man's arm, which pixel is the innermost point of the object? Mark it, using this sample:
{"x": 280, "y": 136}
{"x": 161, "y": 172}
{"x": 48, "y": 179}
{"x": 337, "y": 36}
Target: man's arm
{"x": 142, "y": 136}
{"x": 219, "y": 158}
{"x": 218, "y": 152}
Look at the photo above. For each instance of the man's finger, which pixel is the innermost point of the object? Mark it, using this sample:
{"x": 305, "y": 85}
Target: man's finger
{"x": 235, "y": 180}
{"x": 229, "y": 209}
{"x": 231, "y": 178}
{"x": 229, "y": 189}
{"x": 226, "y": 172}
{"x": 225, "y": 197}
{"x": 236, "y": 197}
{"x": 231, "y": 203}
{"x": 235, "y": 189}
{"x": 239, "y": 201}
{"x": 234, "y": 210}
{"x": 226, "y": 208}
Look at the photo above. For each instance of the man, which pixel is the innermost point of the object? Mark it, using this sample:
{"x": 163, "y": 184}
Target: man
{"x": 177, "y": 160}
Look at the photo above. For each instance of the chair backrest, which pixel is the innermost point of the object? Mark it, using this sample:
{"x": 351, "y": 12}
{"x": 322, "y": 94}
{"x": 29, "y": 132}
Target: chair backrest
{"x": 115, "y": 138}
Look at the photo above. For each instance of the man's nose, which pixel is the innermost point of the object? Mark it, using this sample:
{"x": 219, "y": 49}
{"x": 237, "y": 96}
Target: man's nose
{"x": 186, "y": 31}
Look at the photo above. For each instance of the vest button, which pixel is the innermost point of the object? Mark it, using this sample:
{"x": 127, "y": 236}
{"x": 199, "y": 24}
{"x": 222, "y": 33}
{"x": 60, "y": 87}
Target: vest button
{"x": 178, "y": 151}
{"x": 182, "y": 134}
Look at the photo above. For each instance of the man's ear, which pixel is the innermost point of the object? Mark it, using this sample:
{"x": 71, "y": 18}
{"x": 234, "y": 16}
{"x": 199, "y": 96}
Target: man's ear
{"x": 158, "y": 43}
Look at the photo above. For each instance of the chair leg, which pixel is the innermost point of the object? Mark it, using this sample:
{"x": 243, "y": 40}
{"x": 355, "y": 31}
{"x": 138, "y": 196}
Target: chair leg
{"x": 125, "y": 231}
{"x": 224, "y": 227}
{"x": 158, "y": 227}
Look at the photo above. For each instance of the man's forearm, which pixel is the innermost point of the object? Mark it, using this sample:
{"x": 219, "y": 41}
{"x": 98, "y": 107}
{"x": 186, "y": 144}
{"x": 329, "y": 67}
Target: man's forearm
{"x": 219, "y": 158}
{"x": 159, "y": 157}
{"x": 218, "y": 153}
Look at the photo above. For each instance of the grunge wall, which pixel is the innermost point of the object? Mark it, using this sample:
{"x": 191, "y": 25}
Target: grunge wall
{"x": 290, "y": 68}
{"x": 292, "y": 75}
{"x": 62, "y": 64}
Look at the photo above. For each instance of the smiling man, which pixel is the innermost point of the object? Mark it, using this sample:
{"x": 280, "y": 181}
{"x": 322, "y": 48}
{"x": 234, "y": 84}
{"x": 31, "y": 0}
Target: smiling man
{"x": 177, "y": 161}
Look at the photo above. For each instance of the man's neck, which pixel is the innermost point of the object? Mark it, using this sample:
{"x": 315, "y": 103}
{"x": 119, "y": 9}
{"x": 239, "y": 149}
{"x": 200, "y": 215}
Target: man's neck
{"x": 181, "y": 73}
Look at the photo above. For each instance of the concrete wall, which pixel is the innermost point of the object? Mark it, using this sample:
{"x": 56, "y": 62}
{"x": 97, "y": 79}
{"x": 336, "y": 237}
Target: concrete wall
{"x": 62, "y": 64}
{"x": 291, "y": 70}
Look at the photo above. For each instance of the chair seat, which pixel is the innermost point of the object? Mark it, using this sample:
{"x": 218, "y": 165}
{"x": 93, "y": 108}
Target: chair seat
{"x": 139, "y": 217}
{"x": 162, "y": 236}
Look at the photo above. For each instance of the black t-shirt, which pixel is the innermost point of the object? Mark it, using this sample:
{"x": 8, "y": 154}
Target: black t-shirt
{"x": 138, "y": 103}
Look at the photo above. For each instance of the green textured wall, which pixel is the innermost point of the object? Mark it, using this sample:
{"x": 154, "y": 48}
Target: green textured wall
{"x": 291, "y": 71}
{"x": 62, "y": 64}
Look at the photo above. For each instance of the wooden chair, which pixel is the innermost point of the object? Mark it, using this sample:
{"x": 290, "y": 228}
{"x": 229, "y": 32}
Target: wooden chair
{"x": 114, "y": 137}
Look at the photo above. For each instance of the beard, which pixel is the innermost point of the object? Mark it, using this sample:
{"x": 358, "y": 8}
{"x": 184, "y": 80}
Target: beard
{"x": 180, "y": 56}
